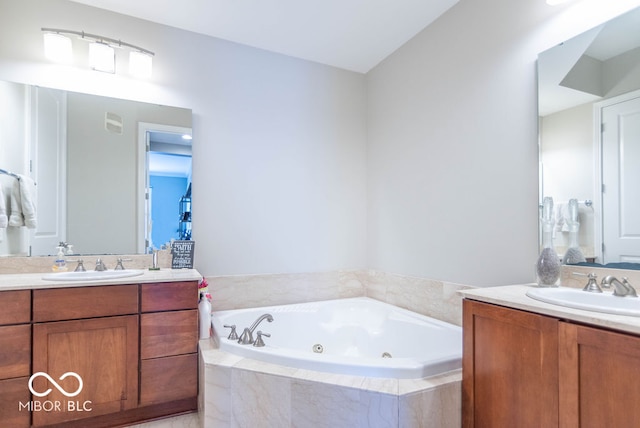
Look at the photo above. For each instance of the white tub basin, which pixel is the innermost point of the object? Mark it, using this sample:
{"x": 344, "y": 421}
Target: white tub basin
{"x": 597, "y": 302}
{"x": 92, "y": 275}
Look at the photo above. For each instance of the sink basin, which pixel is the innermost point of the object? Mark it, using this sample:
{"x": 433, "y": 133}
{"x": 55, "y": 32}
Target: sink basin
{"x": 92, "y": 275}
{"x": 597, "y": 302}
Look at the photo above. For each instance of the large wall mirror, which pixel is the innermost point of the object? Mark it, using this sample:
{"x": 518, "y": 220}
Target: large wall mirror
{"x": 589, "y": 108}
{"x": 112, "y": 176}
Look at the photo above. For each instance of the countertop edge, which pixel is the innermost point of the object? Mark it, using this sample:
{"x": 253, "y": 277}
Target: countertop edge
{"x": 513, "y": 296}
{"x": 34, "y": 281}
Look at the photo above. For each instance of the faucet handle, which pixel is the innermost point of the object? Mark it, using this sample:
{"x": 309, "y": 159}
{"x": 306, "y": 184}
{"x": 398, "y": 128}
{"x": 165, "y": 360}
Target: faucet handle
{"x": 100, "y": 266}
{"x": 592, "y": 286}
{"x": 119, "y": 265}
{"x": 632, "y": 291}
{"x": 232, "y": 335}
{"x": 80, "y": 267}
{"x": 259, "y": 342}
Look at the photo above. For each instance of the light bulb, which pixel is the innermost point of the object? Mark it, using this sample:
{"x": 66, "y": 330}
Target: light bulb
{"x": 140, "y": 64}
{"x": 57, "y": 47}
{"x": 102, "y": 57}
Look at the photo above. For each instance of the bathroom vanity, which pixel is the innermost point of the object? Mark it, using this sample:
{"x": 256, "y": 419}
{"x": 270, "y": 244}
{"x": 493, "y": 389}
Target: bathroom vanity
{"x": 129, "y": 343}
{"x": 530, "y": 363}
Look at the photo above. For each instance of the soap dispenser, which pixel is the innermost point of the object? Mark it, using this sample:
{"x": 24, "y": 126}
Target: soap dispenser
{"x": 60, "y": 264}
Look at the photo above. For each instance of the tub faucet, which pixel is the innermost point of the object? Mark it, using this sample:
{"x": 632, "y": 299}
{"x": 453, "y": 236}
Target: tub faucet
{"x": 622, "y": 289}
{"x": 247, "y": 335}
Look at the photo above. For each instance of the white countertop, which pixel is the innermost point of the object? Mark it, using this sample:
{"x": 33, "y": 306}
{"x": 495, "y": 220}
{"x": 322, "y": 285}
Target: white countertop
{"x": 513, "y": 296}
{"x": 28, "y": 281}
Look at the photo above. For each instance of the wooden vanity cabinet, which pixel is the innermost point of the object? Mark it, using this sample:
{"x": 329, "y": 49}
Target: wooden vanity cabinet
{"x": 134, "y": 346}
{"x": 15, "y": 357}
{"x": 522, "y": 369}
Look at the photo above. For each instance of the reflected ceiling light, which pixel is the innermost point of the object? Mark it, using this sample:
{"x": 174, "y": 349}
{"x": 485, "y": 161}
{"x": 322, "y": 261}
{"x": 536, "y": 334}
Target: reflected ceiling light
{"x": 187, "y": 137}
{"x": 57, "y": 47}
{"x": 102, "y": 57}
{"x": 140, "y": 64}
{"x": 102, "y": 51}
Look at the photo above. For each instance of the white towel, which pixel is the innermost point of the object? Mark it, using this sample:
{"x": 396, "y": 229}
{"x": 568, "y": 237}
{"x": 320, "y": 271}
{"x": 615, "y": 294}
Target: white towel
{"x": 4, "y": 220}
{"x": 561, "y": 217}
{"x": 15, "y": 206}
{"x": 23, "y": 206}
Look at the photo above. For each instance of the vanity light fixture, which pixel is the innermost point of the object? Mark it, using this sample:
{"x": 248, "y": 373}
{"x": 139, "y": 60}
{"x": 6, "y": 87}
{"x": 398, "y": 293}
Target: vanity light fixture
{"x": 102, "y": 51}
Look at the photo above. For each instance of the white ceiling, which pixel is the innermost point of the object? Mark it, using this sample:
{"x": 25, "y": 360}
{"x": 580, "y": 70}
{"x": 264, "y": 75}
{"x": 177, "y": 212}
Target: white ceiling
{"x": 351, "y": 34}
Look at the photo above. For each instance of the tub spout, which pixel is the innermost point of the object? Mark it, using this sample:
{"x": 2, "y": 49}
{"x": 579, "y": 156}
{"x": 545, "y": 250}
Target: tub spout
{"x": 247, "y": 335}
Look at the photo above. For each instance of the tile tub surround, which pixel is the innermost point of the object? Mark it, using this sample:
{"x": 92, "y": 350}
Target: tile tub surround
{"x": 236, "y": 391}
{"x": 433, "y": 298}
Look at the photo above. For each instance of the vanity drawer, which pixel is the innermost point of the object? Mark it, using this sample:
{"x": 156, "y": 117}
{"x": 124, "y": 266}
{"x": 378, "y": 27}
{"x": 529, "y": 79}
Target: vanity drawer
{"x": 84, "y": 302}
{"x": 13, "y": 392}
{"x": 16, "y": 307}
{"x": 168, "y": 379}
{"x": 169, "y": 296}
{"x": 168, "y": 333}
{"x": 15, "y": 351}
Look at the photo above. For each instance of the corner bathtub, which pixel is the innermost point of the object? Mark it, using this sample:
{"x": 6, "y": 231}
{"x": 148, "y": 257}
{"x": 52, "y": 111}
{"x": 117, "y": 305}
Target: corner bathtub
{"x": 358, "y": 336}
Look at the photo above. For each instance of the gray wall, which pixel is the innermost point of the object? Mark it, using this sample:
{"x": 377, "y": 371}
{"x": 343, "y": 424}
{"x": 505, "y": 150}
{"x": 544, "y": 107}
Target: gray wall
{"x": 426, "y": 166}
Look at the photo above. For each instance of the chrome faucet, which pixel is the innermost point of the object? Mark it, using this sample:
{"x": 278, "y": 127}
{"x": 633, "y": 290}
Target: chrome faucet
{"x": 247, "y": 335}
{"x": 622, "y": 289}
{"x": 100, "y": 266}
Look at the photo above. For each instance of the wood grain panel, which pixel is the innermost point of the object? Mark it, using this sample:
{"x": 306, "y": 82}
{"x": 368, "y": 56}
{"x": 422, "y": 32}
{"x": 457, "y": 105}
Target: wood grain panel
{"x": 599, "y": 363}
{"x": 169, "y": 296}
{"x": 102, "y": 351}
{"x": 15, "y": 351}
{"x": 510, "y": 367}
{"x": 168, "y": 379}
{"x": 12, "y": 393}
{"x": 168, "y": 333}
{"x": 84, "y": 302}
{"x": 16, "y": 307}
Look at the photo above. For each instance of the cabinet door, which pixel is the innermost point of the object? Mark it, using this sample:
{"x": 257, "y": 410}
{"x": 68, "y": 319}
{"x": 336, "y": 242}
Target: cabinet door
{"x": 599, "y": 372}
{"x": 102, "y": 351}
{"x": 510, "y": 368}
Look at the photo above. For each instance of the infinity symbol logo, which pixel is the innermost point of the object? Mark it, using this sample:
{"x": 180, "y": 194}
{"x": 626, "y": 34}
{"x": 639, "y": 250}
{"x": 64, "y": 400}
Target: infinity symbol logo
{"x": 58, "y": 387}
